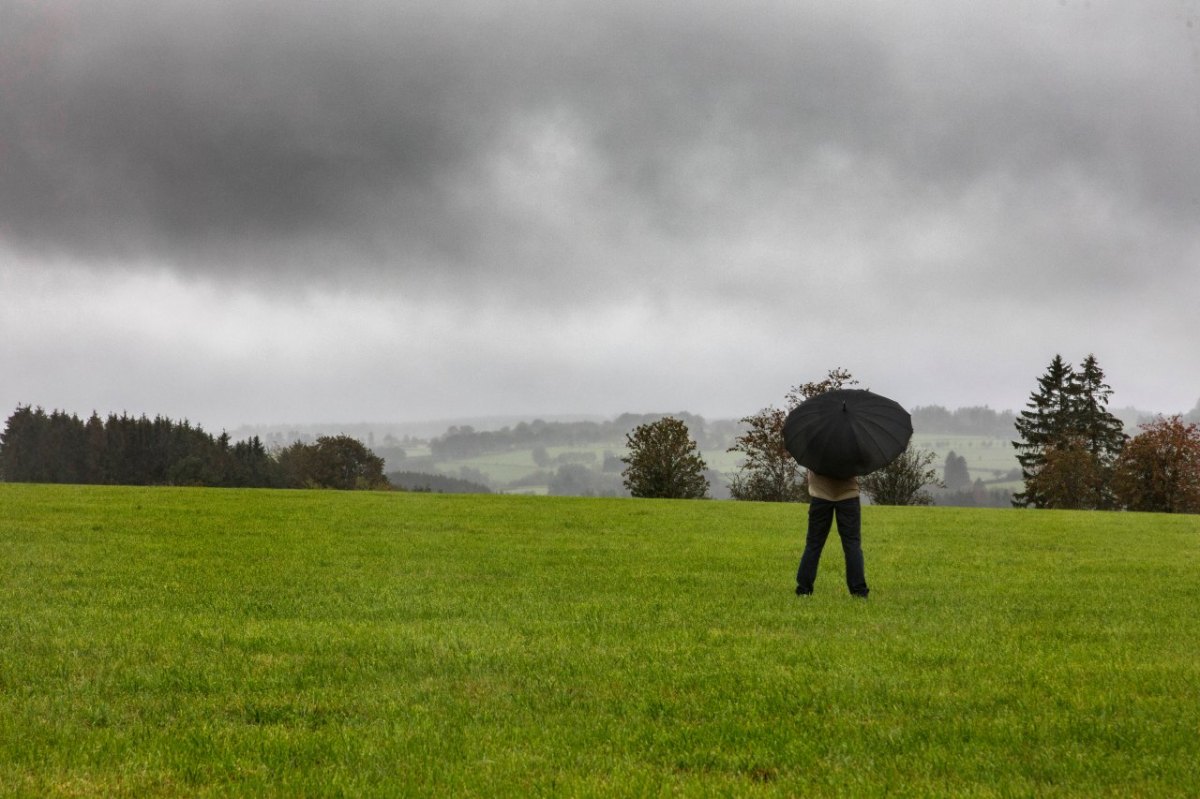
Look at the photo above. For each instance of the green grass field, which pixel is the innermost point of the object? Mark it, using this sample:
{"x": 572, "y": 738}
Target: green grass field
{"x": 190, "y": 642}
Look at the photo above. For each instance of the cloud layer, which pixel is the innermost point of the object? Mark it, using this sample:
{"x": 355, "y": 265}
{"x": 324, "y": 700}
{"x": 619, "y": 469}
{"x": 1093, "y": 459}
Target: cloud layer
{"x": 829, "y": 166}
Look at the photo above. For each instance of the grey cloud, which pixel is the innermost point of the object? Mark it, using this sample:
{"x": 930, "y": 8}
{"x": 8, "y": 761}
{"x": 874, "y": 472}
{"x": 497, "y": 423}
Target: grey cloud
{"x": 283, "y": 138}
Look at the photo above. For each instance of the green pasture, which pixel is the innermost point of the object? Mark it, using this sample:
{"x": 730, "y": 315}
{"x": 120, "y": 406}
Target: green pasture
{"x": 502, "y": 468}
{"x": 988, "y": 458}
{"x": 208, "y": 642}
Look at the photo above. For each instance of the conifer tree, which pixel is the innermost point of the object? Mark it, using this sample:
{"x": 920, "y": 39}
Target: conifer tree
{"x": 1101, "y": 433}
{"x": 1068, "y": 414}
{"x": 1041, "y": 425}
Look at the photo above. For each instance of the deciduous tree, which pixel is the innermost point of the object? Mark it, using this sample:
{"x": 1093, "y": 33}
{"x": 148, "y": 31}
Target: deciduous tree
{"x": 338, "y": 462}
{"x": 955, "y": 473}
{"x": 768, "y": 473}
{"x": 664, "y": 462}
{"x": 1070, "y": 477}
{"x": 903, "y": 481}
{"x": 1159, "y": 470}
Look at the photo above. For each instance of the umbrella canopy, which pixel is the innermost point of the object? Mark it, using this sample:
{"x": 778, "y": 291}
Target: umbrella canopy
{"x": 847, "y": 432}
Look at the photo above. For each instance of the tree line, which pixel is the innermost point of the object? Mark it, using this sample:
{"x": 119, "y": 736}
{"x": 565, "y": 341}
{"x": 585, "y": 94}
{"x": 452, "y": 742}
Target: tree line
{"x": 1073, "y": 453}
{"x": 971, "y": 421}
{"x": 462, "y": 442}
{"x": 57, "y": 447}
{"x": 663, "y": 460}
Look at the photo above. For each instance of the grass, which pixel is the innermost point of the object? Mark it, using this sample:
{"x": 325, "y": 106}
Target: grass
{"x": 216, "y": 642}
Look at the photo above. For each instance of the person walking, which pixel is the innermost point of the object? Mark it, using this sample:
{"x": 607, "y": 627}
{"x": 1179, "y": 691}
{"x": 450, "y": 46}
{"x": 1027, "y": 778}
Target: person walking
{"x": 831, "y": 497}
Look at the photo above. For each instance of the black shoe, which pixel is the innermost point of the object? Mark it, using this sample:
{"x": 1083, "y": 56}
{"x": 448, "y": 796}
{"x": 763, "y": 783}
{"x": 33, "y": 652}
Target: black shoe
{"x": 801, "y": 592}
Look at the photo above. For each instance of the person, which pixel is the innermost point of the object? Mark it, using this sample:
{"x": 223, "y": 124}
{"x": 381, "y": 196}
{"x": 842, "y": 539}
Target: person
{"x": 833, "y": 496}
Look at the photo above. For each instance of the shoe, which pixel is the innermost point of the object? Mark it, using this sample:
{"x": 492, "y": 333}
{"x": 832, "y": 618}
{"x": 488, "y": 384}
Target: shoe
{"x": 801, "y": 592}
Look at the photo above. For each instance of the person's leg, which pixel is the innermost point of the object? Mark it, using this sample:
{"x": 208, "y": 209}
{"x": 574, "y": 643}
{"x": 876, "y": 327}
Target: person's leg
{"x": 849, "y": 524}
{"x": 820, "y": 519}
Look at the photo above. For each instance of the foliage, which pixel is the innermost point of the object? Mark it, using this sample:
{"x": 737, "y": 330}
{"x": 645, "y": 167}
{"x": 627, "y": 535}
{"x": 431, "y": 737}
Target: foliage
{"x": 835, "y": 379}
{"x": 903, "y": 481}
{"x": 37, "y": 447}
{"x": 1102, "y": 433}
{"x": 955, "y": 473}
{"x": 1159, "y": 470}
{"x": 974, "y": 420}
{"x": 768, "y": 472}
{"x": 1069, "y": 412}
{"x": 192, "y": 642}
{"x": 1070, "y": 477}
{"x": 663, "y": 462}
{"x": 337, "y": 462}
{"x": 578, "y": 480}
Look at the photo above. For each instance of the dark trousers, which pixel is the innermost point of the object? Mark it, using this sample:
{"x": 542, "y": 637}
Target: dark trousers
{"x": 849, "y": 526}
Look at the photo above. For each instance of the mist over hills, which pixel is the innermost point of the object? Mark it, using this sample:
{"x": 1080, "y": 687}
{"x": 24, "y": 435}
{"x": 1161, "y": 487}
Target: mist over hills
{"x": 977, "y": 420}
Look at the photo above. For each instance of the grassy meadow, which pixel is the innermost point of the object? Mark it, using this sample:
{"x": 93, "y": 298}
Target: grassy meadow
{"x": 193, "y": 642}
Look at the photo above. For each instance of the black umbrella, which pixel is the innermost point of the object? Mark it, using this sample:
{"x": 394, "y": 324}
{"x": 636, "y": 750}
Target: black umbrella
{"x": 847, "y": 432}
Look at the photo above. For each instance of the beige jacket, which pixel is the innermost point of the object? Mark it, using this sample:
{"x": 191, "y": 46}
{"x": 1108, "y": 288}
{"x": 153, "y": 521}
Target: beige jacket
{"x": 831, "y": 488}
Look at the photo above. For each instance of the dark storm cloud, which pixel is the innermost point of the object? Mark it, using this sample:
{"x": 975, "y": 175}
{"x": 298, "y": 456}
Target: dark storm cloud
{"x": 392, "y": 137}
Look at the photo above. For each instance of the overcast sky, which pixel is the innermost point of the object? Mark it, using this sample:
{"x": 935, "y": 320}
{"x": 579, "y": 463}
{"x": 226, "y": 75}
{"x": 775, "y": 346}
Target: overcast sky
{"x": 251, "y": 211}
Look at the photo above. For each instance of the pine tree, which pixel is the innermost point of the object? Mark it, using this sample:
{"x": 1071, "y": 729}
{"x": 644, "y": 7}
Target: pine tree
{"x": 1103, "y": 433}
{"x": 1100, "y": 433}
{"x": 1043, "y": 424}
{"x": 1068, "y": 414}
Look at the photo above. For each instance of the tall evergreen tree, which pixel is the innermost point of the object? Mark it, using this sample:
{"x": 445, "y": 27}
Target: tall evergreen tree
{"x": 1101, "y": 433}
{"x": 1069, "y": 414}
{"x": 1041, "y": 424}
{"x": 22, "y": 451}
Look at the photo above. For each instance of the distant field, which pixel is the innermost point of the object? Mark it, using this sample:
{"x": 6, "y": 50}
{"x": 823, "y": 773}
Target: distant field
{"x": 192, "y": 642}
{"x": 988, "y": 458}
{"x": 501, "y": 468}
